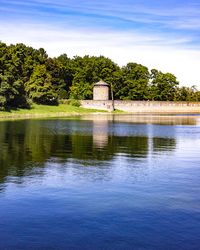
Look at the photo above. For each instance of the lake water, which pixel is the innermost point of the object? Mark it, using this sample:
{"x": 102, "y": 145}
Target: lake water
{"x": 100, "y": 182}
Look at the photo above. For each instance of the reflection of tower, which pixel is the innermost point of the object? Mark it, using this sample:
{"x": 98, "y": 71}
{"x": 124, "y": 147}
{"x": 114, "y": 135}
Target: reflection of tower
{"x": 150, "y": 142}
{"x": 100, "y": 132}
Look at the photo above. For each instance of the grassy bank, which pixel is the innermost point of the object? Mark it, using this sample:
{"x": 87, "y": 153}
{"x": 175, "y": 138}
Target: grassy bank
{"x": 47, "y": 111}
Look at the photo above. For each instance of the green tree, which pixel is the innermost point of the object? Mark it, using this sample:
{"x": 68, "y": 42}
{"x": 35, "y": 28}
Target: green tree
{"x": 134, "y": 83}
{"x": 189, "y": 94}
{"x": 89, "y": 70}
{"x": 16, "y": 66}
{"x": 163, "y": 86}
{"x": 40, "y": 88}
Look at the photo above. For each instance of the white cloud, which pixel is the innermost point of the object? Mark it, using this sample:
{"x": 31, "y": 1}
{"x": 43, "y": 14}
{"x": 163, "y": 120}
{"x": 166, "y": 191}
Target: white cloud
{"x": 162, "y": 53}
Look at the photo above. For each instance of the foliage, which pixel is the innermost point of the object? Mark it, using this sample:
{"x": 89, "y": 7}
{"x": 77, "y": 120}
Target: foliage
{"x": 73, "y": 102}
{"x": 89, "y": 70}
{"x": 17, "y": 63}
{"x": 81, "y": 91}
{"x": 163, "y": 86}
{"x": 40, "y": 88}
{"x": 187, "y": 94}
{"x": 134, "y": 85}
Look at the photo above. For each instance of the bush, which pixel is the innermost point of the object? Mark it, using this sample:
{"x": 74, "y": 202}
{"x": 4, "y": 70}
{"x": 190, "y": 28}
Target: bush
{"x": 63, "y": 94}
{"x": 74, "y": 102}
{"x": 2, "y": 102}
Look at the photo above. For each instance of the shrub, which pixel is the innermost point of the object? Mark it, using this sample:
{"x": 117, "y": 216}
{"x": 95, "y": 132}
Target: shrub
{"x": 74, "y": 102}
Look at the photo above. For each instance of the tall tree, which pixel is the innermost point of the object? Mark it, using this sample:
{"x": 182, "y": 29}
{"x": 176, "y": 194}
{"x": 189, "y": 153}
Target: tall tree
{"x": 66, "y": 74}
{"x": 134, "y": 84}
{"x": 89, "y": 70}
{"x": 40, "y": 88}
{"x": 163, "y": 86}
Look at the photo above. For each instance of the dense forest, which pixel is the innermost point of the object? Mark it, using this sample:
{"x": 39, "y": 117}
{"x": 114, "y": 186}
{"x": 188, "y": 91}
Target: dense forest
{"x": 28, "y": 75}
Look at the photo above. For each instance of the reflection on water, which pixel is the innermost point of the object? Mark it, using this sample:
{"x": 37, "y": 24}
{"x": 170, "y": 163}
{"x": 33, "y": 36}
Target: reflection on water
{"x": 100, "y": 133}
{"x": 26, "y": 144}
{"x": 100, "y": 182}
{"x": 150, "y": 119}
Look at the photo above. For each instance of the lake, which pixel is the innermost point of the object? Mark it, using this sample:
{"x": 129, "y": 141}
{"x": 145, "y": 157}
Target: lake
{"x": 100, "y": 182}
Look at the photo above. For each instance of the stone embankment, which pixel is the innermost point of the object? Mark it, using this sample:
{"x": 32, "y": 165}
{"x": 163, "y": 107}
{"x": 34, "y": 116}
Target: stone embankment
{"x": 153, "y": 107}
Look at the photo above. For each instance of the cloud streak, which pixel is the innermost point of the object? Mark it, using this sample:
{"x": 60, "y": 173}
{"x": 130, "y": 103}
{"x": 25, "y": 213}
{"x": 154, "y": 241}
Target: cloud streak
{"x": 156, "y": 34}
{"x": 124, "y": 10}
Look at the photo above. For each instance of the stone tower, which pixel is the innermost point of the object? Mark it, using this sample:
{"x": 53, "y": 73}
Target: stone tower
{"x": 101, "y": 91}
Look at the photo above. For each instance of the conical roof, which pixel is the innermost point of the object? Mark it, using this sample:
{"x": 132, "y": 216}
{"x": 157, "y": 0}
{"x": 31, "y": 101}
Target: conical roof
{"x": 101, "y": 83}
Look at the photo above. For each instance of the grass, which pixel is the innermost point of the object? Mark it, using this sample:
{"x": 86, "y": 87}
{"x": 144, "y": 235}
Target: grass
{"x": 47, "y": 111}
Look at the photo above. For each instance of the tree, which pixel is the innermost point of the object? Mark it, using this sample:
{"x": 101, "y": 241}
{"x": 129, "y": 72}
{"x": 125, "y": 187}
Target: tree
{"x": 57, "y": 72}
{"x": 89, "y": 70}
{"x": 134, "y": 84}
{"x": 16, "y": 66}
{"x": 12, "y": 93}
{"x": 40, "y": 88}
{"x": 163, "y": 86}
{"x": 189, "y": 94}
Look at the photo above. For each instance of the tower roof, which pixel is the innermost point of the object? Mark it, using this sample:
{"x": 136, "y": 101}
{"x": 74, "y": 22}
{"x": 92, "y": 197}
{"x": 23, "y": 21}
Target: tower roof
{"x": 101, "y": 83}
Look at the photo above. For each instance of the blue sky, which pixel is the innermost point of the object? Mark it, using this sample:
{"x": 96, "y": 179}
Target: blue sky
{"x": 159, "y": 34}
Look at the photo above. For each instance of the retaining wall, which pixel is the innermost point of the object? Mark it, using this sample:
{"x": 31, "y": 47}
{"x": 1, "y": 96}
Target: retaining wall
{"x": 144, "y": 106}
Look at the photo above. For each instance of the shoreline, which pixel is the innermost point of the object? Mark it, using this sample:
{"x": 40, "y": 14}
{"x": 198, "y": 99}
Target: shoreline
{"x": 64, "y": 110}
{"x": 27, "y": 116}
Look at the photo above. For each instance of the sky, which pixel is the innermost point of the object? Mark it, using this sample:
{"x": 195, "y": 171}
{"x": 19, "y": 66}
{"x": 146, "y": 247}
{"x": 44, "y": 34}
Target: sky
{"x": 158, "y": 34}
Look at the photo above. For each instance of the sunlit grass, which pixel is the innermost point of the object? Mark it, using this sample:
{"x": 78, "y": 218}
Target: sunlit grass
{"x": 44, "y": 110}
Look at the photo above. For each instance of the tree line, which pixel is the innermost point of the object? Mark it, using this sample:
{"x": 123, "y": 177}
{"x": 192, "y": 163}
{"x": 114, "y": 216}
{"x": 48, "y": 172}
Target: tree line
{"x": 29, "y": 75}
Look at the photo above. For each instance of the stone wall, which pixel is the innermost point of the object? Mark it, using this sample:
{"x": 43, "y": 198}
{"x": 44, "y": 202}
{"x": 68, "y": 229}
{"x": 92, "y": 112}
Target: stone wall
{"x": 144, "y": 106}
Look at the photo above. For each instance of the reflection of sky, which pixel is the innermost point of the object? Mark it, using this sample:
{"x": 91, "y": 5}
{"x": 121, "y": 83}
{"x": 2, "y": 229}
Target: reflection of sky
{"x": 163, "y": 126}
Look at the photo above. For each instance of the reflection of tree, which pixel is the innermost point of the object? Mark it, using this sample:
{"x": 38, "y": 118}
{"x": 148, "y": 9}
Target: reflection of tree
{"x": 132, "y": 146}
{"x": 21, "y": 143}
{"x": 84, "y": 147}
{"x": 164, "y": 144}
{"x": 27, "y": 144}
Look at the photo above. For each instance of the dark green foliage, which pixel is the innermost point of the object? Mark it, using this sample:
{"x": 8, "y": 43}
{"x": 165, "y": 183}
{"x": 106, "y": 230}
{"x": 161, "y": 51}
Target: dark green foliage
{"x": 40, "y": 88}
{"x": 17, "y": 63}
{"x": 89, "y": 70}
{"x": 66, "y": 74}
{"x": 163, "y": 86}
{"x": 57, "y": 71}
{"x": 81, "y": 91}
{"x": 134, "y": 83}
{"x": 28, "y": 74}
